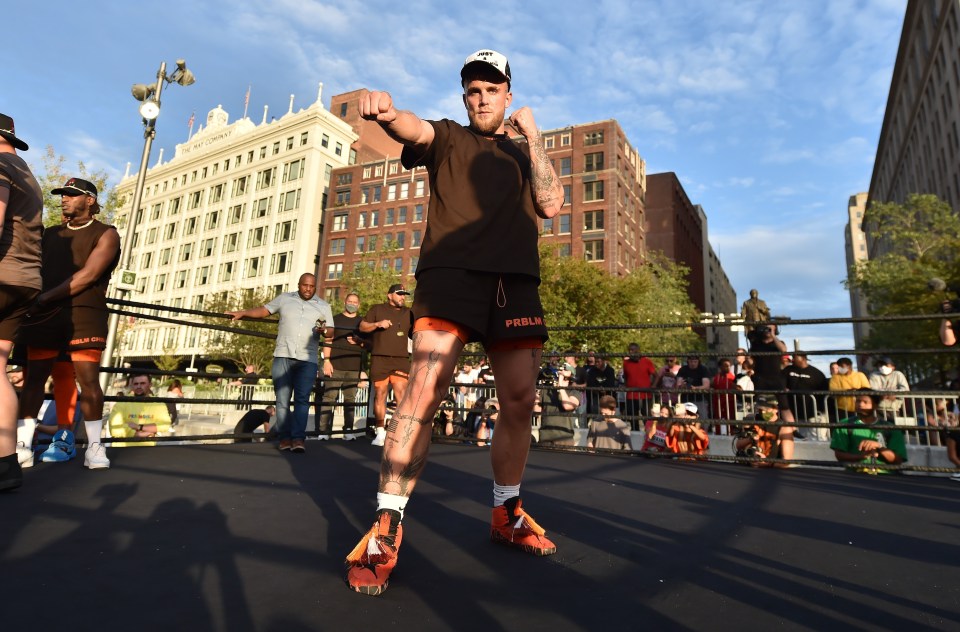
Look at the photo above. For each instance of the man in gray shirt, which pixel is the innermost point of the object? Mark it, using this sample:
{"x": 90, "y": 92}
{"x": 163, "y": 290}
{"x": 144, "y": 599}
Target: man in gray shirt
{"x": 304, "y": 320}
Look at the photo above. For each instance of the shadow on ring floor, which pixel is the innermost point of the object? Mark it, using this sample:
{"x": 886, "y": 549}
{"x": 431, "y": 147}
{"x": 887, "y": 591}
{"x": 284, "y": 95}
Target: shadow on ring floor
{"x": 241, "y": 537}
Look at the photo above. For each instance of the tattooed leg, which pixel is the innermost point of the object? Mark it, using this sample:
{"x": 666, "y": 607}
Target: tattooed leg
{"x": 398, "y": 479}
{"x": 409, "y": 432}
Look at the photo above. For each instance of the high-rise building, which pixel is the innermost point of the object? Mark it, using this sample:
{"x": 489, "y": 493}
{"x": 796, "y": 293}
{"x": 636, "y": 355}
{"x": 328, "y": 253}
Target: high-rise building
{"x": 855, "y": 246}
{"x": 919, "y": 146}
{"x": 677, "y": 227}
{"x": 603, "y": 177}
{"x": 239, "y": 206}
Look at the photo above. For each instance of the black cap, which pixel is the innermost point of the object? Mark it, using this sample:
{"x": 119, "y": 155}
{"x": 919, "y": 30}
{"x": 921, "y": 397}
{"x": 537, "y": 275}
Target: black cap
{"x": 9, "y": 133}
{"x": 397, "y": 288}
{"x": 76, "y": 186}
{"x": 767, "y": 401}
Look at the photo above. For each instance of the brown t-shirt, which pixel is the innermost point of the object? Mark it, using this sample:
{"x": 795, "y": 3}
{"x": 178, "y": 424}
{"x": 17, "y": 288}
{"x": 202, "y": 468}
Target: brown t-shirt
{"x": 66, "y": 251}
{"x": 389, "y": 345}
{"x": 481, "y": 214}
{"x": 391, "y": 342}
{"x": 22, "y": 224}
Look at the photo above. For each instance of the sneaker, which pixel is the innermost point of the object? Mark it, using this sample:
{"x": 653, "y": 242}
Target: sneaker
{"x": 297, "y": 446}
{"x": 955, "y": 477}
{"x": 11, "y": 475}
{"x": 285, "y": 445}
{"x": 370, "y": 563}
{"x": 323, "y": 437}
{"x": 348, "y": 436}
{"x": 24, "y": 455}
{"x": 512, "y": 526}
{"x": 61, "y": 449}
{"x": 380, "y": 437}
{"x": 95, "y": 458}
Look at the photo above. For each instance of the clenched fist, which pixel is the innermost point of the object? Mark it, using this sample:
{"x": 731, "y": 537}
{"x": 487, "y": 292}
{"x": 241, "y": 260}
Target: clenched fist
{"x": 523, "y": 121}
{"x": 377, "y": 106}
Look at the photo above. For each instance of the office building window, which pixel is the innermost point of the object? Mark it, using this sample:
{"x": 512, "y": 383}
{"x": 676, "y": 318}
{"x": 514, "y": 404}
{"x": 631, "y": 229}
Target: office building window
{"x": 593, "y": 191}
{"x": 593, "y": 220}
{"x": 593, "y": 250}
{"x": 337, "y": 246}
{"x": 593, "y": 138}
{"x": 593, "y": 162}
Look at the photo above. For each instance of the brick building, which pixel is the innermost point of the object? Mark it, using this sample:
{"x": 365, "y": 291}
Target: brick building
{"x": 378, "y": 201}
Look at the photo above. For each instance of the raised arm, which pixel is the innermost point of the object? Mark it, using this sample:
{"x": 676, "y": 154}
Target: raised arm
{"x": 402, "y": 126}
{"x": 547, "y": 190}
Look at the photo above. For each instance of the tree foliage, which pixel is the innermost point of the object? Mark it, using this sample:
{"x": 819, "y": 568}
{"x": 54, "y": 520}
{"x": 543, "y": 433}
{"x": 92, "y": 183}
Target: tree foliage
{"x": 371, "y": 277}
{"x": 168, "y": 360}
{"x": 241, "y": 349}
{"x": 576, "y": 293}
{"x": 53, "y": 173}
{"x": 919, "y": 241}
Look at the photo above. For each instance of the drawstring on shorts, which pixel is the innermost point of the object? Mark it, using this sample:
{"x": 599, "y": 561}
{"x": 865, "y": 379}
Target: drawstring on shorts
{"x": 501, "y": 295}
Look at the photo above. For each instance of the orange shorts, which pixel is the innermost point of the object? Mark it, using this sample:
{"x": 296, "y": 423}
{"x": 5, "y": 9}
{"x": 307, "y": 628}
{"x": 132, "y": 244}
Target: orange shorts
{"x": 79, "y": 355}
{"x": 396, "y": 379}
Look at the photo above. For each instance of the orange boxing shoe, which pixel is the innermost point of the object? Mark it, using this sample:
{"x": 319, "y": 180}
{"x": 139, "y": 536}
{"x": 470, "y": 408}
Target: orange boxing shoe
{"x": 512, "y": 526}
{"x": 370, "y": 563}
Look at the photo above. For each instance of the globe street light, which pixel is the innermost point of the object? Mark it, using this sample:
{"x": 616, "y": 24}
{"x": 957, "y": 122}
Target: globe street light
{"x": 149, "y": 97}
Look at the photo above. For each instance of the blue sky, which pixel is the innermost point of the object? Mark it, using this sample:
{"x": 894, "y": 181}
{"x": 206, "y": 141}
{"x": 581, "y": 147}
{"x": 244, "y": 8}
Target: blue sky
{"x": 769, "y": 112}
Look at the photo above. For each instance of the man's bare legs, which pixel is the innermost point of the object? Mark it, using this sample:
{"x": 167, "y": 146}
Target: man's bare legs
{"x": 91, "y": 395}
{"x": 8, "y": 404}
{"x": 434, "y": 359}
{"x": 34, "y": 380}
{"x": 516, "y": 371}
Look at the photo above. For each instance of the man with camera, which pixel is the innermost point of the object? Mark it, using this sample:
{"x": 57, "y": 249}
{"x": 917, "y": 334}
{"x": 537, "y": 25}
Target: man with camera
{"x": 556, "y": 404}
{"x": 767, "y": 372}
{"x": 764, "y": 440}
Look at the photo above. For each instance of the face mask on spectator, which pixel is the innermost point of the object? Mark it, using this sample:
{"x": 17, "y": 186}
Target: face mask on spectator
{"x": 351, "y": 309}
{"x": 843, "y": 370}
{"x": 886, "y": 370}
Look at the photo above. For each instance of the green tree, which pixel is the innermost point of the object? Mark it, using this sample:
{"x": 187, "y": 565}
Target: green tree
{"x": 919, "y": 241}
{"x": 53, "y": 174}
{"x": 241, "y": 349}
{"x": 576, "y": 293}
{"x": 168, "y": 361}
{"x": 372, "y": 276}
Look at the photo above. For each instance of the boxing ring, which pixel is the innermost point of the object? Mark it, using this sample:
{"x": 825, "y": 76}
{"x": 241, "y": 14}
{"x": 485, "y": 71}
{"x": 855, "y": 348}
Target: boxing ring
{"x": 200, "y": 532}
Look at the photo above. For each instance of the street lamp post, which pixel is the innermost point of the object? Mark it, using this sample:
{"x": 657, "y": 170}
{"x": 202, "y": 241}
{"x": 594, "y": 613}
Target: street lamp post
{"x": 149, "y": 97}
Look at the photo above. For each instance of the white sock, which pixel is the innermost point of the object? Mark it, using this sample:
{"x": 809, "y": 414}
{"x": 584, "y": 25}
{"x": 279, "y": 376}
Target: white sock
{"x": 392, "y": 501}
{"x": 25, "y": 431}
{"x": 503, "y": 493}
{"x": 94, "y": 428}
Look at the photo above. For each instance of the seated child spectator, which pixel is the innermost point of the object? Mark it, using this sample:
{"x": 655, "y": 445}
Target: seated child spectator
{"x": 657, "y": 429}
{"x": 608, "y": 433}
{"x": 448, "y": 422}
{"x": 686, "y": 436}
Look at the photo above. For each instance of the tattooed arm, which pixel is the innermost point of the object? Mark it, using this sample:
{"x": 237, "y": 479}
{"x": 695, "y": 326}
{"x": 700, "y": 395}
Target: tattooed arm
{"x": 547, "y": 190}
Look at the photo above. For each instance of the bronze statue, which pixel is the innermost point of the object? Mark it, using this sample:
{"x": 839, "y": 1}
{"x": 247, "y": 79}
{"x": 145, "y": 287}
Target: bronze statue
{"x": 754, "y": 310}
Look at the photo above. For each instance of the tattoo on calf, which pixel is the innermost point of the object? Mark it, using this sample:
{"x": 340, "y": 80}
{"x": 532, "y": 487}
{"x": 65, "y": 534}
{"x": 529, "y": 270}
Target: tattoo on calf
{"x": 399, "y": 484}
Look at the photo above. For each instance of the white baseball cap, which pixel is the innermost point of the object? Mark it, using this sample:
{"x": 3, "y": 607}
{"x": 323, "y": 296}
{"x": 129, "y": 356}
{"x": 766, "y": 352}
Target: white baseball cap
{"x": 490, "y": 57}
